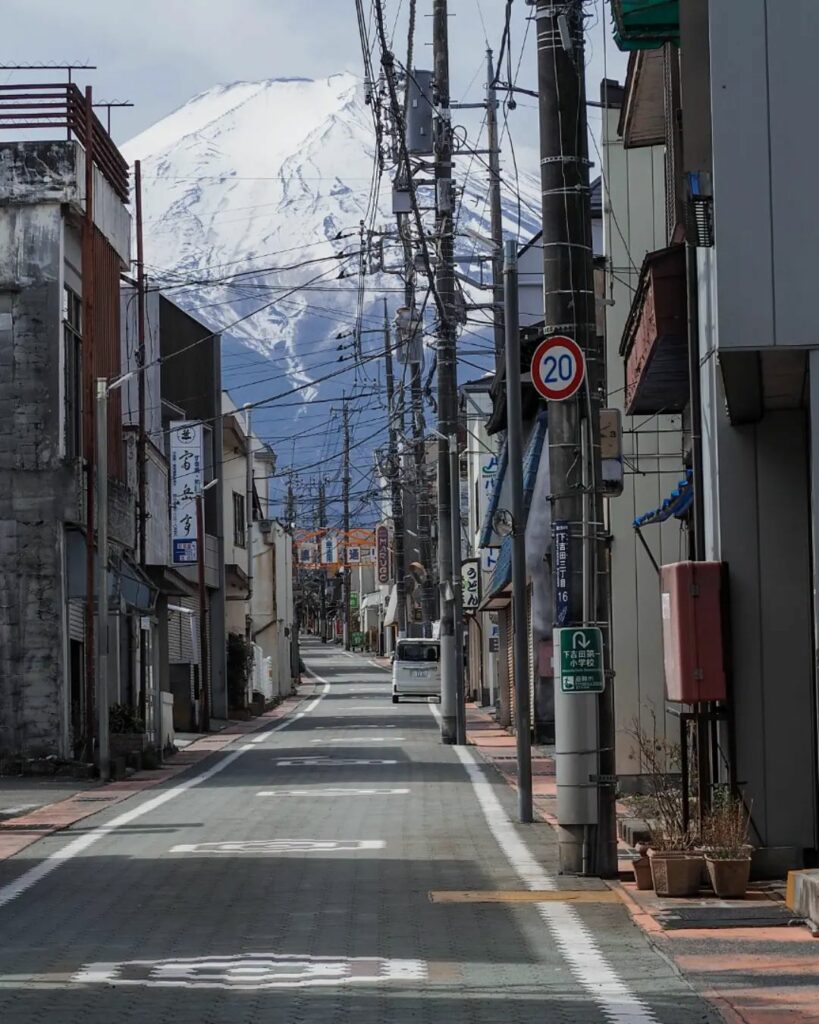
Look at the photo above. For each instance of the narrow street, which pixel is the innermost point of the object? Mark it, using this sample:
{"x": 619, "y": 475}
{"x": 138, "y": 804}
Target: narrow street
{"x": 327, "y": 869}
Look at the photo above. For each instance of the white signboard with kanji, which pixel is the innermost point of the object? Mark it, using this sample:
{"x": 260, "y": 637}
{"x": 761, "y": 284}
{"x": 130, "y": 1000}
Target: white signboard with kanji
{"x": 187, "y": 480}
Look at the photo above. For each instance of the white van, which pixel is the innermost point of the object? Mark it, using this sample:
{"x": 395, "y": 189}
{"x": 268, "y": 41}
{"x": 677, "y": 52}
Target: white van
{"x": 416, "y": 669}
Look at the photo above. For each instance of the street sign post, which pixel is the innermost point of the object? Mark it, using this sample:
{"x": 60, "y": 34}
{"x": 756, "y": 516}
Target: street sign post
{"x": 579, "y": 659}
{"x": 558, "y": 368}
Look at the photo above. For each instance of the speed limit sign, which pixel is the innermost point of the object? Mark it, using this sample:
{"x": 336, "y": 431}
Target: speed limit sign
{"x": 558, "y": 368}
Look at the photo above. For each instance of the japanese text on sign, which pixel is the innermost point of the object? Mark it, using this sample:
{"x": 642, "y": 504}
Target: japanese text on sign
{"x": 187, "y": 480}
{"x": 561, "y": 570}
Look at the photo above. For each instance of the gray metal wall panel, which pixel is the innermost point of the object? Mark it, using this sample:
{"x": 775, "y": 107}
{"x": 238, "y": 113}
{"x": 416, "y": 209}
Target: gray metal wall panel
{"x": 794, "y": 156}
{"x": 742, "y": 197}
{"x": 788, "y": 757}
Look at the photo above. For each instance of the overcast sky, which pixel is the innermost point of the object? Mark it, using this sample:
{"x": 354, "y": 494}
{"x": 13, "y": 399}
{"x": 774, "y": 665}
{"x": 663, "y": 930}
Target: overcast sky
{"x": 159, "y": 53}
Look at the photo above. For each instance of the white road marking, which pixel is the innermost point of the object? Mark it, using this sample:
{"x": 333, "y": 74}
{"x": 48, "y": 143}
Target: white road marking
{"x": 317, "y": 762}
{"x": 361, "y": 739}
{"x": 375, "y": 725}
{"x": 253, "y": 971}
{"x": 618, "y": 1004}
{"x": 36, "y": 874}
{"x": 332, "y": 792}
{"x": 281, "y": 846}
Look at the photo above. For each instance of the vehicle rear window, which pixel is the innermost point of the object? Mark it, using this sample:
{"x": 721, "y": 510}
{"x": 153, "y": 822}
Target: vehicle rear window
{"x": 417, "y": 652}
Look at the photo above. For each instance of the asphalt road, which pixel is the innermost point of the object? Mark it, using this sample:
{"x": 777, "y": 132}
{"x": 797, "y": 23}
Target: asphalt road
{"x": 302, "y": 876}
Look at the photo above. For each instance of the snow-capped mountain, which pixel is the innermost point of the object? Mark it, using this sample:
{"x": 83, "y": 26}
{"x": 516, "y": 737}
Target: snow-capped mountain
{"x": 254, "y": 194}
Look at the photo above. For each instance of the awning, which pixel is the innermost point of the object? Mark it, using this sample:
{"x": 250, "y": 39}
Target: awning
{"x": 676, "y": 504}
{"x": 170, "y": 582}
{"x": 372, "y": 601}
{"x": 645, "y": 24}
{"x": 125, "y": 580}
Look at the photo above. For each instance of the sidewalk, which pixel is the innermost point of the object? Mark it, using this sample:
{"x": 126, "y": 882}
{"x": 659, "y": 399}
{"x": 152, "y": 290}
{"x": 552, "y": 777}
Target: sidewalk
{"x": 52, "y": 811}
{"x": 741, "y": 955}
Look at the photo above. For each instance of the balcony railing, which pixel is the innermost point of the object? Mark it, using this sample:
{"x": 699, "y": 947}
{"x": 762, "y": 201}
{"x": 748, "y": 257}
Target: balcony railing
{"x": 45, "y": 106}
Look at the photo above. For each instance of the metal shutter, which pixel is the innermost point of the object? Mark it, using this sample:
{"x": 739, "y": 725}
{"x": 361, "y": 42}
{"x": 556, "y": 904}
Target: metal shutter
{"x": 530, "y": 633}
{"x": 76, "y": 620}
{"x": 510, "y": 660}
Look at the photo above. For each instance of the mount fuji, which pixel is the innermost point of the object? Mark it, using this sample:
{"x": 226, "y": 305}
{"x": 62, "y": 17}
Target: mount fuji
{"x": 254, "y": 195}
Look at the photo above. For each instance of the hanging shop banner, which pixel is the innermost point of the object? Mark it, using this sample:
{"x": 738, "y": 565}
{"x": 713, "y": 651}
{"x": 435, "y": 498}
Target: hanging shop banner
{"x": 382, "y": 544}
{"x": 489, "y": 558}
{"x": 562, "y": 570}
{"x": 354, "y": 555}
{"x": 470, "y": 584}
{"x": 187, "y": 480}
{"x": 488, "y": 463}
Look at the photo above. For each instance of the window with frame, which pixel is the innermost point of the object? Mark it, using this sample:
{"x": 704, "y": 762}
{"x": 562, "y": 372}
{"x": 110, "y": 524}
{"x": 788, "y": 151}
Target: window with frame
{"x": 239, "y": 521}
{"x": 72, "y": 345}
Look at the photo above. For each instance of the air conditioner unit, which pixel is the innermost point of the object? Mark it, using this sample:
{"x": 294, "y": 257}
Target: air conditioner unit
{"x": 265, "y": 527}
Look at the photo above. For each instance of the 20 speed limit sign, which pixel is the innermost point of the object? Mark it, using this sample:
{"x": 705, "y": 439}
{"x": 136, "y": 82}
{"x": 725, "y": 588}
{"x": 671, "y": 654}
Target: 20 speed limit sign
{"x": 558, "y": 368}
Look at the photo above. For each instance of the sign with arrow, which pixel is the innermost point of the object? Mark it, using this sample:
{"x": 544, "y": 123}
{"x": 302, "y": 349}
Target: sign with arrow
{"x": 579, "y": 659}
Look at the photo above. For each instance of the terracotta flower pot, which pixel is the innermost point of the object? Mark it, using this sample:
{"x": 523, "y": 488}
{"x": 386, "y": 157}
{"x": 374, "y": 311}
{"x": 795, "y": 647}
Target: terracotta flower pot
{"x": 729, "y": 877}
{"x": 642, "y": 872}
{"x": 675, "y": 872}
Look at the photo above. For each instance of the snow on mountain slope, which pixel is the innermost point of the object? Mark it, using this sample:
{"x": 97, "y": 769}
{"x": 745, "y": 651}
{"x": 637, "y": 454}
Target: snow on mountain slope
{"x": 247, "y": 188}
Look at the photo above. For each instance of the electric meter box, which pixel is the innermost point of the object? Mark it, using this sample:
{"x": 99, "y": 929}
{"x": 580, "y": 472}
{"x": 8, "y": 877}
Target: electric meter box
{"x": 691, "y": 595}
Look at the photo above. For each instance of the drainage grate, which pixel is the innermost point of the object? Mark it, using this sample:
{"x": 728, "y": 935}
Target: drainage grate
{"x": 95, "y": 799}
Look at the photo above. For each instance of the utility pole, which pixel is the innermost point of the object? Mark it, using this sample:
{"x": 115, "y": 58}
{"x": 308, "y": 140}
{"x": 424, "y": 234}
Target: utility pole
{"x": 90, "y": 422}
{"x": 584, "y": 722}
{"x": 393, "y": 468}
{"x": 345, "y": 539}
{"x": 204, "y": 661}
{"x": 514, "y": 437}
{"x": 142, "y": 510}
{"x": 457, "y": 597}
{"x": 250, "y": 515}
{"x": 495, "y": 211}
{"x": 447, "y": 379}
{"x": 103, "y": 743}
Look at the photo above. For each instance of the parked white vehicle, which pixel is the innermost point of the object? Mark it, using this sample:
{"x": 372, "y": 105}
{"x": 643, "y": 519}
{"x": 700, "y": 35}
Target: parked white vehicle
{"x": 416, "y": 669}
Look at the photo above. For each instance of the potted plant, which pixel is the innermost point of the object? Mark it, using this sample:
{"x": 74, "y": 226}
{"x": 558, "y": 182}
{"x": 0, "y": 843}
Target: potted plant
{"x": 676, "y": 866}
{"x": 725, "y": 844}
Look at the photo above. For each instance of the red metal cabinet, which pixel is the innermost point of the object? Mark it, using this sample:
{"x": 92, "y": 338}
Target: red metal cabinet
{"x": 691, "y": 595}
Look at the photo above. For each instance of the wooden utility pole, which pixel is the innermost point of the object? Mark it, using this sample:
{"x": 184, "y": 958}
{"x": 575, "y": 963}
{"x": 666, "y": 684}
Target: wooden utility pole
{"x": 584, "y": 722}
{"x": 447, "y": 375}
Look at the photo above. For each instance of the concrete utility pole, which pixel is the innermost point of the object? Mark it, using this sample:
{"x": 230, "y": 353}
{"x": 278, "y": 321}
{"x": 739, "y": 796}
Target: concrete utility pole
{"x": 457, "y": 596}
{"x": 584, "y": 722}
{"x": 447, "y": 374}
{"x": 495, "y": 212}
{"x": 142, "y": 510}
{"x": 103, "y": 742}
{"x": 345, "y": 539}
{"x": 90, "y": 422}
{"x": 250, "y": 490}
{"x": 393, "y": 468}
{"x": 514, "y": 438}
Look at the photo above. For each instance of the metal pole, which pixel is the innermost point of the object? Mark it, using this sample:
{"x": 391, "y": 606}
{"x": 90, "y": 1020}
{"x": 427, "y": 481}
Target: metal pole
{"x": 142, "y": 511}
{"x": 394, "y": 470}
{"x": 103, "y": 744}
{"x": 514, "y": 440}
{"x": 583, "y": 722}
{"x": 447, "y": 381}
{"x": 89, "y": 432}
{"x": 204, "y": 695}
{"x": 457, "y": 596}
{"x": 345, "y": 580}
{"x": 250, "y": 490}
{"x": 495, "y": 211}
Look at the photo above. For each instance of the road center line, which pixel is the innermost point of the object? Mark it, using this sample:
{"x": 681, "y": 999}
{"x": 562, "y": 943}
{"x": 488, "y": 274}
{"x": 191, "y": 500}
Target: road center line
{"x": 77, "y": 846}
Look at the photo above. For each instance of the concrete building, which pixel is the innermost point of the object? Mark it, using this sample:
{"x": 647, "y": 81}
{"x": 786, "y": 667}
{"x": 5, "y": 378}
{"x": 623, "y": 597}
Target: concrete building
{"x": 727, "y": 93}
{"x": 46, "y": 375}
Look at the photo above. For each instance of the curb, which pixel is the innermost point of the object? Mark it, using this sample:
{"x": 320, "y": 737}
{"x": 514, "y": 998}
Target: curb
{"x": 17, "y": 834}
